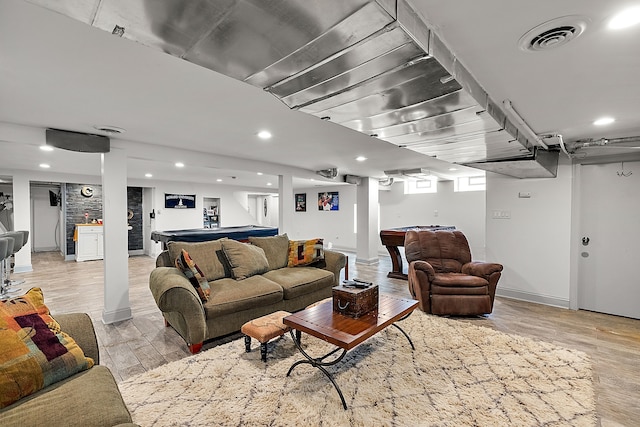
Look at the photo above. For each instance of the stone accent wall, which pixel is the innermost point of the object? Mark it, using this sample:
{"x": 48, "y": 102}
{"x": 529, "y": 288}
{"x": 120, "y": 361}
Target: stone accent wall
{"x": 76, "y": 205}
{"x": 134, "y": 202}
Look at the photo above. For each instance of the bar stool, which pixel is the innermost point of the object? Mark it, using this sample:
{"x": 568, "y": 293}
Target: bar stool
{"x": 6, "y": 250}
{"x": 25, "y": 238}
{"x": 17, "y": 237}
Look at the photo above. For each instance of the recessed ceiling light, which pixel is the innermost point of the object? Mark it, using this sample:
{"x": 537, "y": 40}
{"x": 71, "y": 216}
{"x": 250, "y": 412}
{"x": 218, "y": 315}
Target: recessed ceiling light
{"x": 625, "y": 19}
{"x": 268, "y": 183}
{"x": 264, "y": 134}
{"x": 44, "y": 166}
{"x": 46, "y": 148}
{"x": 259, "y": 173}
{"x": 604, "y": 121}
{"x": 453, "y": 169}
{"x": 219, "y": 180}
{"x": 179, "y": 165}
{"x": 148, "y": 175}
{"x": 361, "y": 158}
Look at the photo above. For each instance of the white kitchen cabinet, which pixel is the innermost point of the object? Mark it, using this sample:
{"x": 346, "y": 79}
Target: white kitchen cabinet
{"x": 89, "y": 242}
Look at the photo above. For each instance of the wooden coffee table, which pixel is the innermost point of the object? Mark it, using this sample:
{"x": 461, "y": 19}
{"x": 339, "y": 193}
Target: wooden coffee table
{"x": 345, "y": 332}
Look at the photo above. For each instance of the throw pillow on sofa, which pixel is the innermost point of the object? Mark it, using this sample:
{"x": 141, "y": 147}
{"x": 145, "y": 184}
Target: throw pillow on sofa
{"x": 34, "y": 352}
{"x": 276, "y": 248}
{"x": 245, "y": 260}
{"x": 305, "y": 252}
{"x": 191, "y": 270}
{"x": 208, "y": 256}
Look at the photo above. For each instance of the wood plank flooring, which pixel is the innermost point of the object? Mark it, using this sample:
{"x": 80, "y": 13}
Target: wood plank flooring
{"x": 143, "y": 343}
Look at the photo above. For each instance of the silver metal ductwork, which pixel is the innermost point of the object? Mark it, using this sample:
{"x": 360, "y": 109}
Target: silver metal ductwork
{"x": 541, "y": 164}
{"x": 372, "y": 66}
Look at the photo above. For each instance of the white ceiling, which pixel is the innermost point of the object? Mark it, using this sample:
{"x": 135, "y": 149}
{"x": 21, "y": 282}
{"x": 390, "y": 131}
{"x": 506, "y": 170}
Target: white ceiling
{"x": 561, "y": 90}
{"x": 57, "y": 72}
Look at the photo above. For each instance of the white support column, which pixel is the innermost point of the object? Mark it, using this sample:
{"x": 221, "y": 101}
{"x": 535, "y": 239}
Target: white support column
{"x": 114, "y": 208}
{"x": 285, "y": 202}
{"x": 367, "y": 239}
{"x": 22, "y": 220}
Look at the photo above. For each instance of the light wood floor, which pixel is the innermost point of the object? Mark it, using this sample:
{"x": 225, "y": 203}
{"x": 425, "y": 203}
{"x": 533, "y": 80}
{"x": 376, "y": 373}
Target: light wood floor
{"x": 143, "y": 343}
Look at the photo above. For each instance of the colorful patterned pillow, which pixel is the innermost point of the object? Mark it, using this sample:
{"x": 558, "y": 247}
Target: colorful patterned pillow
{"x": 305, "y": 252}
{"x": 34, "y": 352}
{"x": 190, "y": 269}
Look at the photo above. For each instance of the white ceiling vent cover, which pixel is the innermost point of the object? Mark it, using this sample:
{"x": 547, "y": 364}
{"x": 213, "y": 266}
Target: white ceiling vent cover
{"x": 553, "y": 34}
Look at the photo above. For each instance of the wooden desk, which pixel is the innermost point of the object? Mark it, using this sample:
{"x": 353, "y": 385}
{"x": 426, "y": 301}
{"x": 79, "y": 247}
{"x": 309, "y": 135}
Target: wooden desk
{"x": 392, "y": 238}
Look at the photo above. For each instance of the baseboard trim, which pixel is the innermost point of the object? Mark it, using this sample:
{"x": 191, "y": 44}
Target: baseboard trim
{"x": 136, "y": 252}
{"x": 22, "y": 268}
{"x": 531, "y": 297}
{"x": 116, "y": 316}
{"x": 370, "y": 261}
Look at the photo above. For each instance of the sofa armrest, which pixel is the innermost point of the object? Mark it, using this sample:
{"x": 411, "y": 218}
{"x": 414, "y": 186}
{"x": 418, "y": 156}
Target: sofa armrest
{"x": 335, "y": 262}
{"x": 179, "y": 302}
{"x": 80, "y": 328}
{"x": 164, "y": 260}
{"x": 481, "y": 269}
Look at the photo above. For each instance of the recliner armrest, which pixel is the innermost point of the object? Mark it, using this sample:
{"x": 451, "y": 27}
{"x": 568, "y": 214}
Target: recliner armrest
{"x": 481, "y": 269}
{"x": 423, "y": 266}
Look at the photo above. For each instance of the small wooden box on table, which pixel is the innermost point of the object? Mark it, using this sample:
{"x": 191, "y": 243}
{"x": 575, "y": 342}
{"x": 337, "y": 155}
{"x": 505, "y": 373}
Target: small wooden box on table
{"x": 355, "y": 302}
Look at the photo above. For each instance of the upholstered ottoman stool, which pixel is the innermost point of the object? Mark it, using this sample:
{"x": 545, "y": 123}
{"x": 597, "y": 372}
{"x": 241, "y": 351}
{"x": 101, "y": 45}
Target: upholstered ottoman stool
{"x": 264, "y": 329}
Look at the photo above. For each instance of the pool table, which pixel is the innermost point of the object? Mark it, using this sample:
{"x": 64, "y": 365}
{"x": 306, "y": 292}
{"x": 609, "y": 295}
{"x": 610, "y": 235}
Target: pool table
{"x": 394, "y": 237}
{"x": 240, "y": 233}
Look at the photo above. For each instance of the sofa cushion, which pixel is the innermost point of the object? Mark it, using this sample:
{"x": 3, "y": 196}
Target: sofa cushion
{"x": 89, "y": 398}
{"x": 34, "y": 352}
{"x": 208, "y": 256}
{"x": 276, "y": 249}
{"x": 300, "y": 280}
{"x": 305, "y": 252}
{"x": 231, "y": 296}
{"x": 191, "y": 270}
{"x": 245, "y": 260}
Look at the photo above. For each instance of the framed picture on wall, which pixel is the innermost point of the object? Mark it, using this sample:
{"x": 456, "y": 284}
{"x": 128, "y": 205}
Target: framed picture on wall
{"x": 328, "y": 201}
{"x": 301, "y": 202}
{"x": 179, "y": 201}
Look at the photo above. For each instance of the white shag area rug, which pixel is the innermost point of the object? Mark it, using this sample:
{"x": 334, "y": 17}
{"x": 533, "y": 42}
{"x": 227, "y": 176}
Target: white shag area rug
{"x": 459, "y": 375}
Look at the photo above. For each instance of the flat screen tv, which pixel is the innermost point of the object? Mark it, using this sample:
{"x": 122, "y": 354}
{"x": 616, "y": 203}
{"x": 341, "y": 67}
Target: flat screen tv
{"x": 53, "y": 198}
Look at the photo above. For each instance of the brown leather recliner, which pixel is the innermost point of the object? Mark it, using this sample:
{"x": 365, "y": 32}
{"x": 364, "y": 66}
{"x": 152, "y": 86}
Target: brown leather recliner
{"x": 443, "y": 278}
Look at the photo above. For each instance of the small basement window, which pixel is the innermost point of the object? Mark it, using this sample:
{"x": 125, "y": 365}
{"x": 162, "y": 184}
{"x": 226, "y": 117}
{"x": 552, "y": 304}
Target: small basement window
{"x": 470, "y": 183}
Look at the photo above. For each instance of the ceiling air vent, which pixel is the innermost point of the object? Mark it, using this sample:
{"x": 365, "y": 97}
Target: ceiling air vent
{"x": 552, "y": 34}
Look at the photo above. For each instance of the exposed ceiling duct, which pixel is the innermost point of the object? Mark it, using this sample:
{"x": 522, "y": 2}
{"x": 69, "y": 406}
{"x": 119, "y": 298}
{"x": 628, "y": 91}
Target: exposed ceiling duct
{"x": 541, "y": 164}
{"x": 328, "y": 173}
{"x": 371, "y": 66}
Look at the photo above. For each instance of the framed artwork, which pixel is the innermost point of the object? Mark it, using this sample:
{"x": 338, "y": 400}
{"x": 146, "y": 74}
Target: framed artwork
{"x": 179, "y": 201}
{"x": 301, "y": 202}
{"x": 328, "y": 201}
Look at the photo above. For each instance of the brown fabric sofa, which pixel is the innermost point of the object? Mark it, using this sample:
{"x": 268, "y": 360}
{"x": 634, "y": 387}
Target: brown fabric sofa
{"x": 443, "y": 278}
{"x": 89, "y": 398}
{"x": 234, "y": 302}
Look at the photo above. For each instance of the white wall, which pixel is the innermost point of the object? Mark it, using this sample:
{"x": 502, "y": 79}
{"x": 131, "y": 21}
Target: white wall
{"x": 45, "y": 220}
{"x": 335, "y": 227}
{"x": 234, "y": 207}
{"x": 465, "y": 210}
{"x": 534, "y": 244}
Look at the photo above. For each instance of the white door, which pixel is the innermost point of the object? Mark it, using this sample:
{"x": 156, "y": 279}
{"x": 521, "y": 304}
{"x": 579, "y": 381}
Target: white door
{"x": 609, "y": 253}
